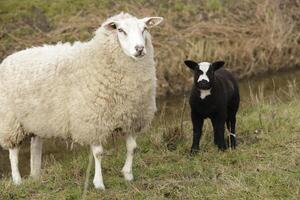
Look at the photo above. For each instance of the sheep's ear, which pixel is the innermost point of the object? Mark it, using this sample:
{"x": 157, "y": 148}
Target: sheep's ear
{"x": 110, "y": 26}
{"x": 191, "y": 64}
{"x": 217, "y": 65}
{"x": 152, "y": 21}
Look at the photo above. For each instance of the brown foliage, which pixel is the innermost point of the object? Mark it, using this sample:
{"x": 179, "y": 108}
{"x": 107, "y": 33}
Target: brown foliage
{"x": 251, "y": 36}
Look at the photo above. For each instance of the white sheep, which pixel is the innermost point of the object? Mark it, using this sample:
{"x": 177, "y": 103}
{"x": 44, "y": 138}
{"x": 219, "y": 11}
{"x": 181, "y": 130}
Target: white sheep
{"x": 84, "y": 91}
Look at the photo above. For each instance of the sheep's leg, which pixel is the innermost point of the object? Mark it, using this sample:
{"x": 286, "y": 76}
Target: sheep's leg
{"x": 14, "y": 160}
{"x": 97, "y": 153}
{"x": 36, "y": 147}
{"x": 127, "y": 169}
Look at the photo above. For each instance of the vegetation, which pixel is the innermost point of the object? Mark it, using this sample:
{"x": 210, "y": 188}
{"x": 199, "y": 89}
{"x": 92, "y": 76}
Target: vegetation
{"x": 266, "y": 164}
{"x": 252, "y": 36}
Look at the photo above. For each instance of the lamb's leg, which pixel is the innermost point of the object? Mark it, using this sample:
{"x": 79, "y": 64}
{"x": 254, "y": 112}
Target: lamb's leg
{"x": 232, "y": 133}
{"x": 127, "y": 169}
{"x": 97, "y": 153}
{"x": 197, "y": 132}
{"x": 14, "y": 159}
{"x": 219, "y": 129}
{"x": 36, "y": 147}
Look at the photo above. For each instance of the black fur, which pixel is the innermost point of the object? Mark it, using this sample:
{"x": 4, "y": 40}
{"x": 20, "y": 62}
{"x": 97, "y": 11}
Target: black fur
{"x": 220, "y": 106}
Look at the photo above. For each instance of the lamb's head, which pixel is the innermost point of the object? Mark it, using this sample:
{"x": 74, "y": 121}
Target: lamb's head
{"x": 204, "y": 73}
{"x": 131, "y": 32}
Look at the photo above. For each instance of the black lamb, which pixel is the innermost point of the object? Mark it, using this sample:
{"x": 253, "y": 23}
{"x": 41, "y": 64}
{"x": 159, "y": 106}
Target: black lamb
{"x": 214, "y": 95}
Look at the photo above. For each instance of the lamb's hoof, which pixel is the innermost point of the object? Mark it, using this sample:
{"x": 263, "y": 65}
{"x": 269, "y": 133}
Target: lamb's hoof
{"x": 128, "y": 176}
{"x": 99, "y": 185}
{"x": 194, "y": 152}
{"x": 222, "y": 148}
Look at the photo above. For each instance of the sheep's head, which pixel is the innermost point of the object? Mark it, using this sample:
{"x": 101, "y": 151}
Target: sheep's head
{"x": 204, "y": 73}
{"x": 132, "y": 33}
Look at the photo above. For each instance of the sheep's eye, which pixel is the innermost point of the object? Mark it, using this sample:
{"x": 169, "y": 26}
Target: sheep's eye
{"x": 121, "y": 31}
{"x": 145, "y": 29}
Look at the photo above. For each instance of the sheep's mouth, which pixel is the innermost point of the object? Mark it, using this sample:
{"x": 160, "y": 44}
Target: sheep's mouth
{"x": 139, "y": 55}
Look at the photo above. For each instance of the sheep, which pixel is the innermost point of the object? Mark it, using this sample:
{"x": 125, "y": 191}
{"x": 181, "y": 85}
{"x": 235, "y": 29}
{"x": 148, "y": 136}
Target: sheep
{"x": 84, "y": 91}
{"x": 215, "y": 95}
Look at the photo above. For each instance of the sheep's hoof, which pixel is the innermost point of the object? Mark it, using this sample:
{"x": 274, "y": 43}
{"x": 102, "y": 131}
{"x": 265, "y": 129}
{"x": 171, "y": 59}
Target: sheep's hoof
{"x": 17, "y": 181}
{"x": 99, "y": 185}
{"x": 34, "y": 176}
{"x": 128, "y": 176}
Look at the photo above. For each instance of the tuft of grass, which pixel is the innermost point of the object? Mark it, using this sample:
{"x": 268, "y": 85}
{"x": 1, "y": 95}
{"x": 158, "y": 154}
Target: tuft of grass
{"x": 214, "y": 5}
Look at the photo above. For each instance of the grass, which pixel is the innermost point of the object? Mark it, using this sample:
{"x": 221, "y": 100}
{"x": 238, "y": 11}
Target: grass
{"x": 266, "y": 164}
{"x": 252, "y": 36}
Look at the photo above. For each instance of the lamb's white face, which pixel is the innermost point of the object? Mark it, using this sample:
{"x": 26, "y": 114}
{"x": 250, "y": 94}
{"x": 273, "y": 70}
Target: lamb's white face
{"x": 132, "y": 34}
{"x": 204, "y": 67}
{"x": 204, "y": 73}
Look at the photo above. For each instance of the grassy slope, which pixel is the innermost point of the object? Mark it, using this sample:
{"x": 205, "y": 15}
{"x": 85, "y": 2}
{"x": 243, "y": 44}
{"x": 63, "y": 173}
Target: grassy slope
{"x": 266, "y": 164}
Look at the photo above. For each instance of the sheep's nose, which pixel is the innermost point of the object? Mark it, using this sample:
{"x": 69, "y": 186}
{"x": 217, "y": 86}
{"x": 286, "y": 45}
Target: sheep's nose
{"x": 139, "y": 48}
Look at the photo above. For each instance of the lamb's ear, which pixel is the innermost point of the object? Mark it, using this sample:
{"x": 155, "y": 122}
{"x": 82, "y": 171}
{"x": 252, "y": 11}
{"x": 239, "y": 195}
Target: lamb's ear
{"x": 110, "y": 26}
{"x": 217, "y": 65}
{"x": 191, "y": 64}
{"x": 152, "y": 21}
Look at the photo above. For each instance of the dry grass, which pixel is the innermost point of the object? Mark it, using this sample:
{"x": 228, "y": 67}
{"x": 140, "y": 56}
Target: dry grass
{"x": 252, "y": 36}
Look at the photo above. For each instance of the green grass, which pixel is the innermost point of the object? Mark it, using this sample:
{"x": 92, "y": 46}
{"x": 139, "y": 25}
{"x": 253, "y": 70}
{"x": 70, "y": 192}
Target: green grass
{"x": 266, "y": 164}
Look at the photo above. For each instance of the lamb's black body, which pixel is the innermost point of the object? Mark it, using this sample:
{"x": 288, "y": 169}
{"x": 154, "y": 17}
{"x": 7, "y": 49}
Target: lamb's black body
{"x": 220, "y": 106}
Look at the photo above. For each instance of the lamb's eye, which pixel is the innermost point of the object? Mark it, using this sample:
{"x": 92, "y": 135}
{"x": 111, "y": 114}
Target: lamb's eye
{"x": 122, "y": 31}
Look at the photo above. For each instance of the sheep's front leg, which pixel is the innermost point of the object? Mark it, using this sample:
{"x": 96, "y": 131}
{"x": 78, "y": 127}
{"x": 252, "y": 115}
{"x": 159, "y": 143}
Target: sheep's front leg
{"x": 127, "y": 169}
{"x": 14, "y": 159}
{"x": 36, "y": 147}
{"x": 97, "y": 153}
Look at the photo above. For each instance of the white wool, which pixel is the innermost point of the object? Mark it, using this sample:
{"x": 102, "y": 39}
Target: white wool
{"x": 82, "y": 91}
{"x": 204, "y": 93}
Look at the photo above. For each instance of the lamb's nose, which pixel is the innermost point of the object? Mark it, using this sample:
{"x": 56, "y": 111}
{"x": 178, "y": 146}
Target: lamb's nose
{"x": 204, "y": 81}
{"x": 139, "y": 48}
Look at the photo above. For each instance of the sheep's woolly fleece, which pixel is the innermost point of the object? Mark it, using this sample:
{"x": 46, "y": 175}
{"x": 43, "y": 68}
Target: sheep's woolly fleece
{"x": 82, "y": 91}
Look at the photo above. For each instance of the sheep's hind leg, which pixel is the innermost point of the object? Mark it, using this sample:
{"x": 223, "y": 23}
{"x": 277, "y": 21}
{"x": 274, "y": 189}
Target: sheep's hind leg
{"x": 36, "y": 147}
{"x": 98, "y": 179}
{"x": 14, "y": 160}
{"x": 127, "y": 169}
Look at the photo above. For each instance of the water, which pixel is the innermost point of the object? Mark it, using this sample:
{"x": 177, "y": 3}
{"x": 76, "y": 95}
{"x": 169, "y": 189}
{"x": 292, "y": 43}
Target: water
{"x": 268, "y": 85}
{"x": 276, "y": 83}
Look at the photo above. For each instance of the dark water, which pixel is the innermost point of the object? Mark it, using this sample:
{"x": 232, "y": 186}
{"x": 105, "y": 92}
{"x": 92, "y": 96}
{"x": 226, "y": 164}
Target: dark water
{"x": 277, "y": 83}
